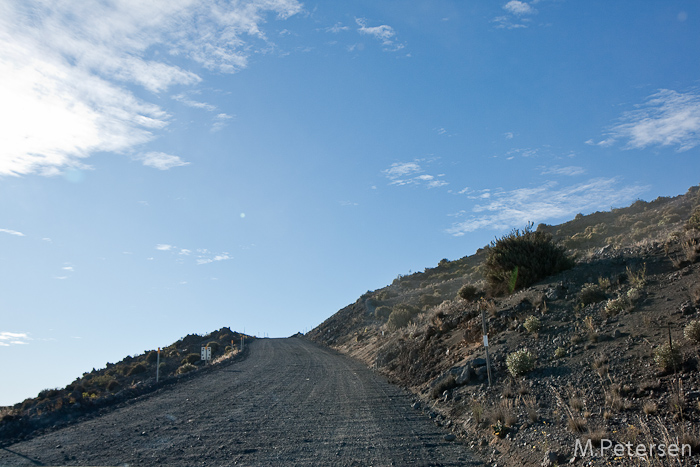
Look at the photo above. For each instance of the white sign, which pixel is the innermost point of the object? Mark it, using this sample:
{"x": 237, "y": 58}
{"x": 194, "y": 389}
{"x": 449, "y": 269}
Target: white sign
{"x": 486, "y": 341}
{"x": 206, "y": 353}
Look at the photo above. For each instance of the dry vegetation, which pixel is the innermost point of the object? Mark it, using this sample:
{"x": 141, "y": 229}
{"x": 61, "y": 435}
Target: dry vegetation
{"x": 602, "y": 347}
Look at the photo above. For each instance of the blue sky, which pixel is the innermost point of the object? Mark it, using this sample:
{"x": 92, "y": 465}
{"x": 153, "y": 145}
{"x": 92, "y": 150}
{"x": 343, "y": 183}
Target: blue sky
{"x": 175, "y": 167}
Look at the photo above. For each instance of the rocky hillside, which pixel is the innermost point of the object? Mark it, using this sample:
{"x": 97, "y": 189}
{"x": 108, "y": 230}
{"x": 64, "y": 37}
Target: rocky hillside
{"x": 131, "y": 377}
{"x": 606, "y": 350}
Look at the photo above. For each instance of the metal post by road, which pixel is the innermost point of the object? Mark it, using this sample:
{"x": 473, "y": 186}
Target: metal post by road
{"x": 158, "y": 366}
{"x": 486, "y": 343}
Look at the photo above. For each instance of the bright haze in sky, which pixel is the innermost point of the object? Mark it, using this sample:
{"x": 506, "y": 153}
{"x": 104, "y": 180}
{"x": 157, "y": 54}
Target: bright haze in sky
{"x": 170, "y": 167}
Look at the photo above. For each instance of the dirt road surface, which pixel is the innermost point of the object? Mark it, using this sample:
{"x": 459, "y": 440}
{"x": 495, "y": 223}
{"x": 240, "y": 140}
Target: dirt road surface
{"x": 289, "y": 403}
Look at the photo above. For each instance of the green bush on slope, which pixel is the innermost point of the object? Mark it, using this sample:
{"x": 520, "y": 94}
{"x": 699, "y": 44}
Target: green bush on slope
{"x": 521, "y": 258}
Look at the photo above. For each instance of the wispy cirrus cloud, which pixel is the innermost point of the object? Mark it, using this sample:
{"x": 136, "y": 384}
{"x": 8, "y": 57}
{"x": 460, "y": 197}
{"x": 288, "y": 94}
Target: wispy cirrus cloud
{"x": 13, "y": 338}
{"x": 67, "y": 68}
{"x": 200, "y": 255}
{"x": 569, "y": 171}
{"x": 193, "y": 103}
{"x": 666, "y": 118}
{"x": 383, "y": 33}
{"x": 12, "y": 232}
{"x": 220, "y": 120}
{"x": 406, "y": 173}
{"x": 515, "y": 208}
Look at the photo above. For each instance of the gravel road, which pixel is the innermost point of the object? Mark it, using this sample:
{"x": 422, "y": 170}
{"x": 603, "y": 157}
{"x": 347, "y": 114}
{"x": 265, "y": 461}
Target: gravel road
{"x": 289, "y": 403}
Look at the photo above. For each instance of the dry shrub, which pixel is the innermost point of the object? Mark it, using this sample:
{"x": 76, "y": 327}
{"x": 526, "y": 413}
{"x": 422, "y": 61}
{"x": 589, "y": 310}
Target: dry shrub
{"x": 668, "y": 358}
{"x": 591, "y": 293}
{"x": 469, "y": 292}
{"x": 401, "y": 315}
{"x": 186, "y": 368}
{"x": 522, "y": 258}
{"x": 692, "y": 332}
{"x": 532, "y": 324}
{"x": 444, "y": 385}
{"x": 137, "y": 369}
{"x": 520, "y": 363}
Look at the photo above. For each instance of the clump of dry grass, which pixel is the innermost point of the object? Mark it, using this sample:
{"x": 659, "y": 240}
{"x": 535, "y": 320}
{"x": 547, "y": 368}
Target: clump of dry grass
{"x": 523, "y": 389}
{"x": 591, "y": 328}
{"x": 477, "y": 411}
{"x": 530, "y": 403}
{"x": 600, "y": 365}
{"x": 597, "y": 435}
{"x": 507, "y": 391}
{"x": 637, "y": 277}
{"x": 650, "y": 408}
{"x": 504, "y": 412}
{"x": 615, "y": 401}
{"x": 576, "y": 403}
{"x": 576, "y": 424}
{"x": 695, "y": 295}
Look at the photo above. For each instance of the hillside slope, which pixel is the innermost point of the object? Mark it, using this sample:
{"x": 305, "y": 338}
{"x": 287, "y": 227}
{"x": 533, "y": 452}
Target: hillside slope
{"x": 596, "y": 334}
{"x": 131, "y": 377}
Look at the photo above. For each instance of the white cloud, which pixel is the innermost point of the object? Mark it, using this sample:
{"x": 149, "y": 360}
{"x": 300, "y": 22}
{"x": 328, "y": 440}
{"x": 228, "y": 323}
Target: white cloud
{"x": 667, "y": 118}
{"x": 12, "y": 232}
{"x": 222, "y": 257}
{"x": 437, "y": 183}
{"x": 401, "y": 169}
{"x": 185, "y": 251}
{"x": 16, "y": 338}
{"x": 383, "y": 33}
{"x": 504, "y": 22}
{"x": 220, "y": 122}
{"x": 508, "y": 135}
{"x": 161, "y": 160}
{"x": 518, "y": 8}
{"x": 404, "y": 173}
{"x": 68, "y": 268}
{"x": 65, "y": 68}
{"x": 164, "y": 247}
{"x": 570, "y": 171}
{"x": 192, "y": 103}
{"x": 507, "y": 209}
{"x": 336, "y": 28}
